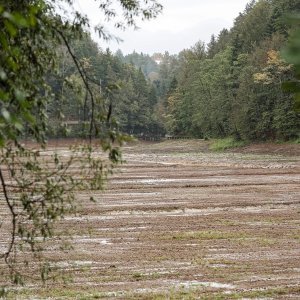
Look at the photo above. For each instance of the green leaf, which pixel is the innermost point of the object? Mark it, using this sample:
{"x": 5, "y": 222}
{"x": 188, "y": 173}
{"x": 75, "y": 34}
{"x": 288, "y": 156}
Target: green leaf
{"x": 6, "y": 115}
{"x": 3, "y": 96}
{"x": 3, "y": 75}
{"x": 3, "y": 293}
{"x": 19, "y": 126}
{"x": 2, "y": 141}
{"x": 31, "y": 17}
{"x": 12, "y": 30}
{"x": 20, "y": 96}
{"x": 27, "y": 116}
{"x": 19, "y": 20}
{"x": 3, "y": 41}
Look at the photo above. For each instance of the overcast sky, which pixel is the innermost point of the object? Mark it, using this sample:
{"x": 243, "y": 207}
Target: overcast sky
{"x": 180, "y": 26}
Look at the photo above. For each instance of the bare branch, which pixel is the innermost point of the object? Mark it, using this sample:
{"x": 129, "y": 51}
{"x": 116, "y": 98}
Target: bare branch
{"x": 84, "y": 79}
{"x": 14, "y": 218}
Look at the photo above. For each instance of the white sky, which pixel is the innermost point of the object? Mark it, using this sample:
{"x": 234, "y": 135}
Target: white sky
{"x": 180, "y": 26}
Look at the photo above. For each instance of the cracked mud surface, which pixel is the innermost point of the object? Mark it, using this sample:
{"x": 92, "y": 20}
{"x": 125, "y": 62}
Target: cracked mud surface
{"x": 179, "y": 222}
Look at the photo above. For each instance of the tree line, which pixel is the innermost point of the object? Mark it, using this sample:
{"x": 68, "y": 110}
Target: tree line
{"x": 233, "y": 86}
{"x": 236, "y": 85}
{"x": 129, "y": 99}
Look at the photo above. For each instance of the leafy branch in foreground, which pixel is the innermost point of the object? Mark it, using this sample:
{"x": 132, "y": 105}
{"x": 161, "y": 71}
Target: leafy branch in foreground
{"x": 38, "y": 185}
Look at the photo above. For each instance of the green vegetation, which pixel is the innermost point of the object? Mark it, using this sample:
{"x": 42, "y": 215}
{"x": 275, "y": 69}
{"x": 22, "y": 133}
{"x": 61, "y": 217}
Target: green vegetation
{"x": 291, "y": 54}
{"x": 238, "y": 84}
{"x": 60, "y": 293}
{"x": 208, "y": 235}
{"x": 297, "y": 141}
{"x": 128, "y": 98}
{"x": 194, "y": 292}
{"x": 227, "y": 143}
{"x": 199, "y": 291}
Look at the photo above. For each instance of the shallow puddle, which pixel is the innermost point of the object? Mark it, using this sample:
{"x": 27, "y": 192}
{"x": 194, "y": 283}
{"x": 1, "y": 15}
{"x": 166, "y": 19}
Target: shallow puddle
{"x": 189, "y": 284}
{"x": 87, "y": 239}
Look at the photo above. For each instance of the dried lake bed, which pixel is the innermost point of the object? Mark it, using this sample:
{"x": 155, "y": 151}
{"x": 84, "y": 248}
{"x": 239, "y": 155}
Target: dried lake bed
{"x": 178, "y": 221}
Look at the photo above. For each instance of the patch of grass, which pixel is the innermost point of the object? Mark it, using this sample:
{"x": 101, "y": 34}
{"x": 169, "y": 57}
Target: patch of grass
{"x": 221, "y": 261}
{"x": 137, "y": 276}
{"x": 232, "y": 223}
{"x": 161, "y": 258}
{"x": 147, "y": 276}
{"x": 296, "y": 236}
{"x": 201, "y": 261}
{"x": 272, "y": 292}
{"x": 208, "y": 235}
{"x": 267, "y": 242}
{"x": 204, "y": 294}
{"x": 60, "y": 293}
{"x": 181, "y": 293}
{"x": 227, "y": 143}
{"x": 173, "y": 294}
{"x": 292, "y": 141}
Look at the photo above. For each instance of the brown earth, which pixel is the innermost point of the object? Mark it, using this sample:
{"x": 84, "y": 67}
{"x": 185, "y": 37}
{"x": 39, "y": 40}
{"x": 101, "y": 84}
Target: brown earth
{"x": 180, "y": 222}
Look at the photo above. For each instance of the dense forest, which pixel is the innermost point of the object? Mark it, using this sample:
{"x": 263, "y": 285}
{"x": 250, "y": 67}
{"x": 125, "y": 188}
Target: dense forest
{"x": 230, "y": 87}
{"x": 129, "y": 97}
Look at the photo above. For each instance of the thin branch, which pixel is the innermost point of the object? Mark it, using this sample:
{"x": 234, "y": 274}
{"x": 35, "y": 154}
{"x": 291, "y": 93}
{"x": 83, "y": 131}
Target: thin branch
{"x": 83, "y": 77}
{"x": 14, "y": 218}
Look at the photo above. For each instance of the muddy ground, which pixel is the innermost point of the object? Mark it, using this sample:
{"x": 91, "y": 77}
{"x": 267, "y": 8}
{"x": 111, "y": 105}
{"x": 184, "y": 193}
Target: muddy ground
{"x": 178, "y": 221}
